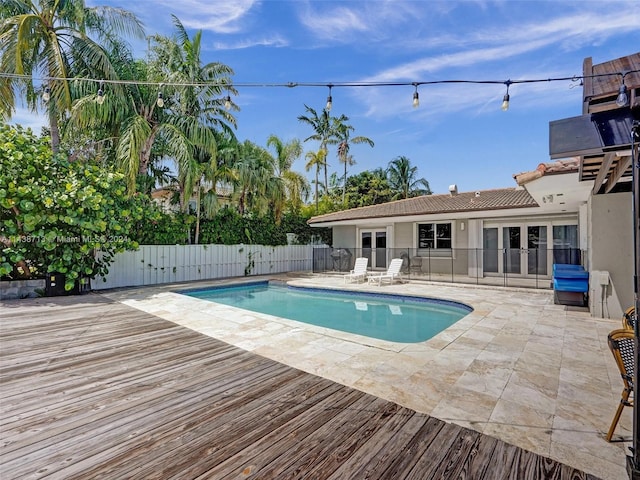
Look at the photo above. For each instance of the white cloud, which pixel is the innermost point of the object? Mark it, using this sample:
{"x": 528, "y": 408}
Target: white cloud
{"x": 345, "y": 24}
{"x": 221, "y": 16}
{"x": 334, "y": 25}
{"x": 272, "y": 41}
{"x": 466, "y": 58}
{"x": 587, "y": 26}
{"x": 572, "y": 32}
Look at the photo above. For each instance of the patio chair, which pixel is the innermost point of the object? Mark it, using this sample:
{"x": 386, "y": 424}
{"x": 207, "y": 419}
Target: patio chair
{"x": 362, "y": 306}
{"x": 629, "y": 318}
{"x": 621, "y": 344}
{"x": 359, "y": 272}
{"x": 392, "y": 273}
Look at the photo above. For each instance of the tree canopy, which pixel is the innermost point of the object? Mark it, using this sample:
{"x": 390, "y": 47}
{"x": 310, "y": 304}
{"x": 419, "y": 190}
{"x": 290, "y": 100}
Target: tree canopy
{"x": 166, "y": 120}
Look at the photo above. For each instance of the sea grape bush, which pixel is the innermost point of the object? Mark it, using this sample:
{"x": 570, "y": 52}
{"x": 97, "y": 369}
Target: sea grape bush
{"x": 56, "y": 215}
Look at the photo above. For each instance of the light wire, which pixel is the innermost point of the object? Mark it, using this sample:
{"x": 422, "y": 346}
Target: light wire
{"x": 574, "y": 78}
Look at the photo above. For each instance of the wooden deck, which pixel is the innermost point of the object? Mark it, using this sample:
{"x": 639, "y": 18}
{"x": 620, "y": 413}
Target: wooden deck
{"x": 94, "y": 389}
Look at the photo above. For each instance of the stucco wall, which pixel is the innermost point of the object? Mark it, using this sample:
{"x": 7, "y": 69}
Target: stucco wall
{"x": 404, "y": 235}
{"x": 344, "y": 237}
{"x": 611, "y": 250}
{"x": 461, "y": 235}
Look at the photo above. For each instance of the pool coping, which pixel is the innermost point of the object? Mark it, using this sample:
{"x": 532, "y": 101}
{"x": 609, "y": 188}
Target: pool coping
{"x": 339, "y": 291}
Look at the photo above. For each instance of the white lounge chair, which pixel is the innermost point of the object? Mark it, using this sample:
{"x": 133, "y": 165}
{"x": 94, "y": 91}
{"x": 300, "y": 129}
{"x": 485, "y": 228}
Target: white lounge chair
{"x": 359, "y": 272}
{"x": 392, "y": 273}
{"x": 364, "y": 306}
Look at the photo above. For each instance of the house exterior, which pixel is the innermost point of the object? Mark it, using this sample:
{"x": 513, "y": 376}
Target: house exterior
{"x": 580, "y": 202}
{"x": 519, "y": 231}
{"x": 601, "y": 138}
{"x": 164, "y": 198}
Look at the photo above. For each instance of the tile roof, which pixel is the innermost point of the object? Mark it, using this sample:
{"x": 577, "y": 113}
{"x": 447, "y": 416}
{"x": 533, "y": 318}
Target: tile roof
{"x": 504, "y": 198}
{"x": 570, "y": 165}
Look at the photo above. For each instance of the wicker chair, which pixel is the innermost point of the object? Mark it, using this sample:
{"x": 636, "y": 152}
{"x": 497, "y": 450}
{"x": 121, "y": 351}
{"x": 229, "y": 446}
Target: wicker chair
{"x": 621, "y": 343}
{"x": 629, "y": 318}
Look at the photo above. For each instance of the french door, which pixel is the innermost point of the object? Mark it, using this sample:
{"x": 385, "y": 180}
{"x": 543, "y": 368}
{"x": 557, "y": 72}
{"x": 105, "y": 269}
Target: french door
{"x": 374, "y": 247}
{"x": 519, "y": 250}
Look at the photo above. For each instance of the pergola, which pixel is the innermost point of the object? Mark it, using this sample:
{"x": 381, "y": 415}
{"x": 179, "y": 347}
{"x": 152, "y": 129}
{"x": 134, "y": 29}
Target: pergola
{"x": 606, "y": 138}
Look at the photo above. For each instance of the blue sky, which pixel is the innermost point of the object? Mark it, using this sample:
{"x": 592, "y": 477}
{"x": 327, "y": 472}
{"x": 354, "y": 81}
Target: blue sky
{"x": 458, "y": 134}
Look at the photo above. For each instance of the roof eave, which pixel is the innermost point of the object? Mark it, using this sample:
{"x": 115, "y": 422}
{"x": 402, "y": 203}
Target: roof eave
{"x": 478, "y": 212}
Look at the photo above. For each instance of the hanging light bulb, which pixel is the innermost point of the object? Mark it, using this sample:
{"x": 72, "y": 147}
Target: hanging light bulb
{"x": 160, "y": 100}
{"x": 227, "y": 103}
{"x": 46, "y": 96}
{"x": 416, "y": 97}
{"x": 505, "y": 99}
{"x": 505, "y": 103}
{"x": 623, "y": 99}
{"x": 329, "y": 100}
{"x": 100, "y": 98}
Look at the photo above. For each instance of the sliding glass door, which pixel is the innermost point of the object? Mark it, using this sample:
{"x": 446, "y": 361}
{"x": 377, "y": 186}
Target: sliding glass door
{"x": 521, "y": 249}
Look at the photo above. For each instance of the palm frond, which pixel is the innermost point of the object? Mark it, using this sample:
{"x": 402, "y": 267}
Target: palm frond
{"x": 129, "y": 148}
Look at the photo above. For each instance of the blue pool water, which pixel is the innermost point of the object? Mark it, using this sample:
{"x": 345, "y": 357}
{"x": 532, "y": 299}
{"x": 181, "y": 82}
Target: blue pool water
{"x": 387, "y": 317}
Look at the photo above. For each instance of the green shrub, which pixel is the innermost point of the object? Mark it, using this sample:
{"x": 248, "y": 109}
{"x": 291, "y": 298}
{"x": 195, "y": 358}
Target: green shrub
{"x": 56, "y": 215}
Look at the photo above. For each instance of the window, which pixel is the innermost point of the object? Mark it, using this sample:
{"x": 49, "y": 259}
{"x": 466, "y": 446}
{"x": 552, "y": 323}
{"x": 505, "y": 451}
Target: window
{"x": 434, "y": 235}
{"x": 565, "y": 244}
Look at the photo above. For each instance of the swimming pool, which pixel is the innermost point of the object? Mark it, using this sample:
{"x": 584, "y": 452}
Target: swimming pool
{"x": 394, "y": 318}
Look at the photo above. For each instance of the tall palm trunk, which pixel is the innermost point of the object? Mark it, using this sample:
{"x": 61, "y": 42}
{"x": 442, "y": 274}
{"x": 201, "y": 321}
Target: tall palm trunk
{"x": 326, "y": 179}
{"x": 54, "y": 131}
{"x": 344, "y": 183}
{"x": 317, "y": 171}
{"x": 54, "y": 128}
{"x": 197, "y": 236}
{"x": 145, "y": 154}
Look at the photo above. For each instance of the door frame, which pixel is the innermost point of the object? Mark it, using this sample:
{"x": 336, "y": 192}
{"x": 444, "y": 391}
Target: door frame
{"x": 373, "y": 254}
{"x": 524, "y": 247}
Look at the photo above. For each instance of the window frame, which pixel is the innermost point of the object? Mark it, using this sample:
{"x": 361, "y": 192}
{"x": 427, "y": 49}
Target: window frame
{"x": 436, "y": 250}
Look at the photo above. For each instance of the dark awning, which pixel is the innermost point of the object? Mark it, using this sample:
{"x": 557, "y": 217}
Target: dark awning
{"x": 590, "y": 134}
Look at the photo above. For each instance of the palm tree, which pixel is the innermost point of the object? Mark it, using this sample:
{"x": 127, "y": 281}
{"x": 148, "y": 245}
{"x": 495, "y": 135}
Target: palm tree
{"x": 318, "y": 160}
{"x": 256, "y": 187}
{"x": 178, "y": 60}
{"x": 343, "y": 136}
{"x": 200, "y": 179}
{"x": 49, "y": 38}
{"x": 219, "y": 175}
{"x": 187, "y": 120}
{"x": 403, "y": 181}
{"x": 322, "y": 126}
{"x": 197, "y": 111}
{"x": 142, "y": 125}
{"x": 296, "y": 185}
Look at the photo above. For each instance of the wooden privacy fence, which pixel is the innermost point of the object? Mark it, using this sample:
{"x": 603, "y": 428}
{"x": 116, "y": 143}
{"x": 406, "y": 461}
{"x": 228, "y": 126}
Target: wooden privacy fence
{"x": 156, "y": 264}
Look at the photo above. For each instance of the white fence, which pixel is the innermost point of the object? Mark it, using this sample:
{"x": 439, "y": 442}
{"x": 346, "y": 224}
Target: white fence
{"x": 155, "y": 264}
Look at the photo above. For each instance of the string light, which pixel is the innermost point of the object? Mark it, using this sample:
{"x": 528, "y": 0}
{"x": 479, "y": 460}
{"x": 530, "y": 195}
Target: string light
{"x": 46, "y": 96}
{"x": 160, "y": 100}
{"x": 416, "y": 97}
{"x": 329, "y": 99}
{"x": 505, "y": 99}
{"x": 227, "y": 102}
{"x": 622, "y": 98}
{"x": 100, "y": 98}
